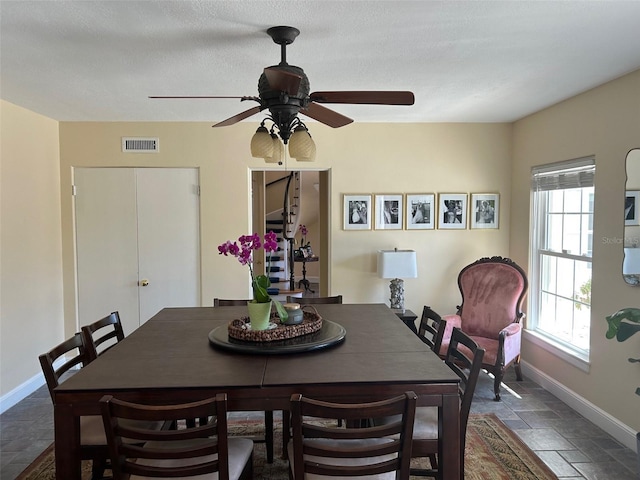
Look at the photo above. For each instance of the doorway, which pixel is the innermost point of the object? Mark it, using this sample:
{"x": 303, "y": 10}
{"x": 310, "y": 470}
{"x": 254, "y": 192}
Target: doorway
{"x": 314, "y": 214}
{"x": 137, "y": 242}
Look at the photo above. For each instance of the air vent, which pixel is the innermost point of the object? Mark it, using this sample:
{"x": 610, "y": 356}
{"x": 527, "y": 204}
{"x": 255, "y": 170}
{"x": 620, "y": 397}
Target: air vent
{"x": 140, "y": 144}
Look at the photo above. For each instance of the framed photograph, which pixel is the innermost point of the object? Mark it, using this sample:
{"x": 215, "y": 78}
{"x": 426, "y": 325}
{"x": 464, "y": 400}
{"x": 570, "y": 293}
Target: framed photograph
{"x": 420, "y": 211}
{"x": 485, "y": 210}
{"x": 452, "y": 208}
{"x": 389, "y": 212}
{"x": 632, "y": 207}
{"x": 357, "y": 212}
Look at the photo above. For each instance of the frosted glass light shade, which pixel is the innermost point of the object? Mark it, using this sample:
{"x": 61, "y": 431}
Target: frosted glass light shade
{"x": 301, "y": 145}
{"x": 397, "y": 264}
{"x": 261, "y": 143}
{"x": 277, "y": 150}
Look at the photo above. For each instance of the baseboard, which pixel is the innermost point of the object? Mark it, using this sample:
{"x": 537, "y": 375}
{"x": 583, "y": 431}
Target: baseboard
{"x": 618, "y": 430}
{"x": 21, "y": 392}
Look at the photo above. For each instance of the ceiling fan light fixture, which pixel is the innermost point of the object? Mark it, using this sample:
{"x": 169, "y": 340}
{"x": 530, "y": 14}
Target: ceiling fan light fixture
{"x": 261, "y": 143}
{"x": 277, "y": 149}
{"x": 301, "y": 145}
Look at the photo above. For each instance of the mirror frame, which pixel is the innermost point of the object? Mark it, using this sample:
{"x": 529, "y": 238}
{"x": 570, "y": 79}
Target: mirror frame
{"x": 631, "y": 220}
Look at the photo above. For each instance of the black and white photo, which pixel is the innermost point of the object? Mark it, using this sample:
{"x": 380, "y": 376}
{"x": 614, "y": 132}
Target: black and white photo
{"x": 631, "y": 206}
{"x": 420, "y": 211}
{"x": 388, "y": 212}
{"x": 485, "y": 210}
{"x": 357, "y": 212}
{"x": 453, "y": 211}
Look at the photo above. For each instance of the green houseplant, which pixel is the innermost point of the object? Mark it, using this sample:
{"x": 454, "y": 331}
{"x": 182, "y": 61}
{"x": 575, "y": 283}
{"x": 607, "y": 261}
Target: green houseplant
{"x": 622, "y": 325}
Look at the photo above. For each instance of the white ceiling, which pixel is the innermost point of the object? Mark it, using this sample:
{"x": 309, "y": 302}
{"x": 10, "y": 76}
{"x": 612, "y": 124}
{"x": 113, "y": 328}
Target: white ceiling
{"x": 466, "y": 61}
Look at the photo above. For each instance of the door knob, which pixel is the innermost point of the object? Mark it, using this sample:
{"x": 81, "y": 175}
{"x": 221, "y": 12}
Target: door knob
{"x": 144, "y": 283}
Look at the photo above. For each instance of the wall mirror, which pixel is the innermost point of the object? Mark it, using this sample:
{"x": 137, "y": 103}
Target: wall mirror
{"x": 631, "y": 260}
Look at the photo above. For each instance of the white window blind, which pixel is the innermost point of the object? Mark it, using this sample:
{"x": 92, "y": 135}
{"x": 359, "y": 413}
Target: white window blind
{"x": 559, "y": 176}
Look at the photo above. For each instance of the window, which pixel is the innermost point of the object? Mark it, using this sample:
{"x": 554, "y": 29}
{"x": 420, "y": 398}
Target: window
{"x": 561, "y": 247}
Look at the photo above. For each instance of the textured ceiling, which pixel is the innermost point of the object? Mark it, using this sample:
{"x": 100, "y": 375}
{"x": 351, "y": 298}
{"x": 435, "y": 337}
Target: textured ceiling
{"x": 479, "y": 61}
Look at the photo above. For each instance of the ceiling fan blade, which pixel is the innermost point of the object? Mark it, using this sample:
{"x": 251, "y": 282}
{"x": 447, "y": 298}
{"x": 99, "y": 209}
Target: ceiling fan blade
{"x": 282, "y": 81}
{"x": 326, "y": 115}
{"x": 367, "y": 97}
{"x": 242, "y": 98}
{"x": 238, "y": 117}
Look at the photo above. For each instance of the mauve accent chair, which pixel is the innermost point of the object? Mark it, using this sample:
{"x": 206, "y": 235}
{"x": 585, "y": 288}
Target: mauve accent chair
{"x": 492, "y": 293}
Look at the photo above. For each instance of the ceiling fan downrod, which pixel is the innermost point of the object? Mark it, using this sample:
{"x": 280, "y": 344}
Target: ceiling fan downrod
{"x": 283, "y": 36}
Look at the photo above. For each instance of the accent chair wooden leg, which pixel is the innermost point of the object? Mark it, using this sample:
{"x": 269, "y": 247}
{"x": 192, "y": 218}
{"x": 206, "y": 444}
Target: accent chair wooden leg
{"x": 516, "y": 367}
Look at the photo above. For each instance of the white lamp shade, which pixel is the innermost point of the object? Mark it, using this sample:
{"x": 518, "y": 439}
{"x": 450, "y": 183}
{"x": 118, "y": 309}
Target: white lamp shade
{"x": 261, "y": 143}
{"x": 397, "y": 264}
{"x": 631, "y": 262}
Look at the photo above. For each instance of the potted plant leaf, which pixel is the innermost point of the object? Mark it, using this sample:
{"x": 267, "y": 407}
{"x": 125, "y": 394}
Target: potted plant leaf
{"x": 622, "y": 325}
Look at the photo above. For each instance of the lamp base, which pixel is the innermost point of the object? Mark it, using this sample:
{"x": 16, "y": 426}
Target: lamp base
{"x": 397, "y": 294}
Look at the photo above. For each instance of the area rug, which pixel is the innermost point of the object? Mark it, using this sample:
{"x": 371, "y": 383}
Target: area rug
{"x": 493, "y": 452}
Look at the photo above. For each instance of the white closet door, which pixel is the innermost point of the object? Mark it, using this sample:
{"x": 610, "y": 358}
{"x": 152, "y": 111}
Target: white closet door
{"x": 137, "y": 240}
{"x": 168, "y": 239}
{"x": 106, "y": 245}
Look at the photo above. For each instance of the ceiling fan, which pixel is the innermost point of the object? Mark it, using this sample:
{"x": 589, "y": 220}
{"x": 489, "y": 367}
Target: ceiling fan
{"x": 283, "y": 89}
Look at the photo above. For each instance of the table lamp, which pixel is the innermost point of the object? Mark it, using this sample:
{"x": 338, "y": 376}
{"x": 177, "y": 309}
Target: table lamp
{"x": 396, "y": 265}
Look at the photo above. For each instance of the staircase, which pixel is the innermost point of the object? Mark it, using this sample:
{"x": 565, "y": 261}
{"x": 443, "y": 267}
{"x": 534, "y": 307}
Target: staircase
{"x": 284, "y": 223}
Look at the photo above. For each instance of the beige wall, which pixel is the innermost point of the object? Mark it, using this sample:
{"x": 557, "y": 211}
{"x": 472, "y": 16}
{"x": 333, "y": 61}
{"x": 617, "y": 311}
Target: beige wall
{"x": 31, "y": 320}
{"x": 363, "y": 158}
{"x": 604, "y": 122}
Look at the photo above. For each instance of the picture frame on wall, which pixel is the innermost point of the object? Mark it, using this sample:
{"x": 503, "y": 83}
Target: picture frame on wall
{"x": 420, "y": 211}
{"x": 485, "y": 210}
{"x": 452, "y": 211}
{"x": 388, "y": 211}
{"x": 357, "y": 212}
{"x": 632, "y": 208}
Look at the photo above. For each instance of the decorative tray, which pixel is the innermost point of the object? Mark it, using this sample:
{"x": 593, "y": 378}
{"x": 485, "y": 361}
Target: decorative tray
{"x": 329, "y": 335}
{"x": 240, "y": 329}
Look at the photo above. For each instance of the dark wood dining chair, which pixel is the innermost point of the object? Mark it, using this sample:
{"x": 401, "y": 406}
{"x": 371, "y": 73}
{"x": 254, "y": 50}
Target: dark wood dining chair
{"x": 372, "y": 451}
{"x": 268, "y": 414}
{"x": 180, "y": 453}
{"x": 225, "y": 302}
{"x": 57, "y": 365}
{"x": 102, "y": 334}
{"x": 314, "y": 300}
{"x": 464, "y": 357}
{"x": 431, "y": 328}
{"x": 93, "y": 442}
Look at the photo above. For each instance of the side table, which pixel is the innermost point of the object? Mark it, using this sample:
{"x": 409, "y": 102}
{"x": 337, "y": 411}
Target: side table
{"x": 304, "y": 282}
{"x": 408, "y": 317}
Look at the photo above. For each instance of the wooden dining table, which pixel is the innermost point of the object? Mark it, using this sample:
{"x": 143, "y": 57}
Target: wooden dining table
{"x": 169, "y": 359}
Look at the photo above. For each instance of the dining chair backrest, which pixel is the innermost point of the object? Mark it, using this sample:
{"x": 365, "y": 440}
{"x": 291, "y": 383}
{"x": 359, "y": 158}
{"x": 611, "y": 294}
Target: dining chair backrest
{"x": 75, "y": 356}
{"x": 59, "y": 363}
{"x": 102, "y": 334}
{"x": 317, "y": 448}
{"x": 431, "y": 328}
{"x": 225, "y": 302}
{"x": 314, "y": 300}
{"x": 464, "y": 357}
{"x": 177, "y": 453}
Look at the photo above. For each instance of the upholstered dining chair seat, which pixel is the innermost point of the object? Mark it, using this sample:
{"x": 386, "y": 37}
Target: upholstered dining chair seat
{"x": 239, "y": 453}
